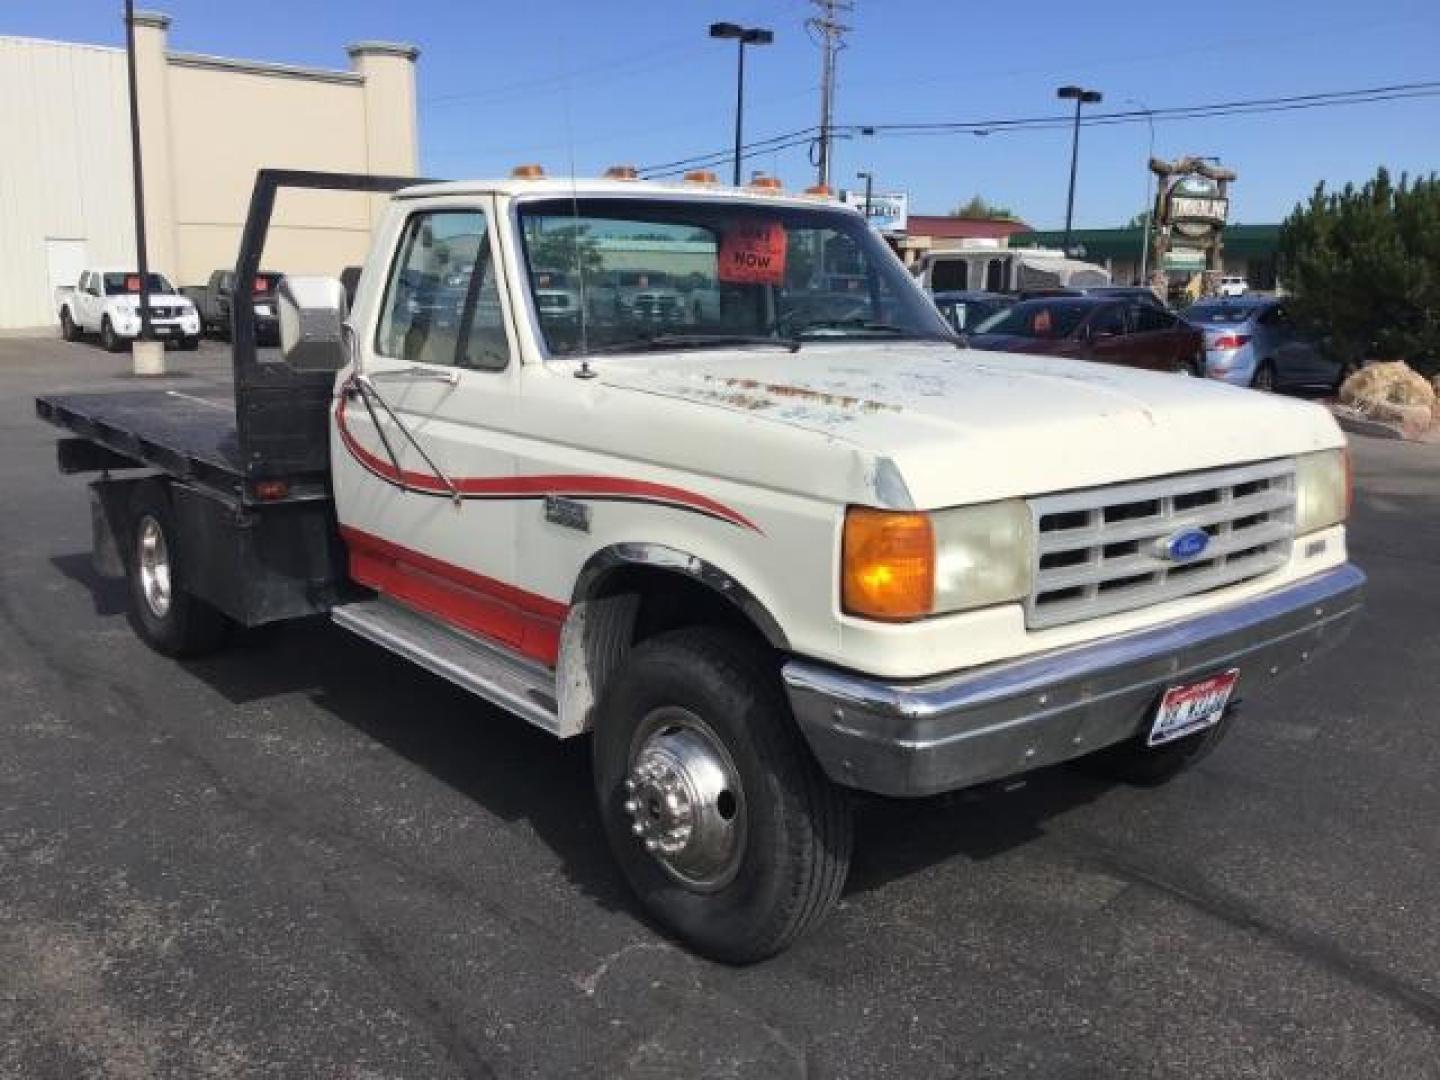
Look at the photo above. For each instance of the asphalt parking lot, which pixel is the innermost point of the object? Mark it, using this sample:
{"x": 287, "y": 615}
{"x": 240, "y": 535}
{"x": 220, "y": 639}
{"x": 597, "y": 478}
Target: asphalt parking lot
{"x": 306, "y": 858}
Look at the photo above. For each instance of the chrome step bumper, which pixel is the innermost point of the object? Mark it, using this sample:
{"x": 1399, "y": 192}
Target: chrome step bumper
{"x": 988, "y": 723}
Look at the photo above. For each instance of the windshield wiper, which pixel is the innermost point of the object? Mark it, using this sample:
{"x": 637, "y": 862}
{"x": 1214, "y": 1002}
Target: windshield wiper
{"x": 865, "y": 325}
{"x": 662, "y": 342}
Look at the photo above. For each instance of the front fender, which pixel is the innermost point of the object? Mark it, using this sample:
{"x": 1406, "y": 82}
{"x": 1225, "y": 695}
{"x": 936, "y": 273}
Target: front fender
{"x": 672, "y": 560}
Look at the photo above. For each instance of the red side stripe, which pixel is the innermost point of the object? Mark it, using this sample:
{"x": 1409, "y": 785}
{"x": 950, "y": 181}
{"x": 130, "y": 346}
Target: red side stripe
{"x": 613, "y": 487}
{"x": 525, "y": 621}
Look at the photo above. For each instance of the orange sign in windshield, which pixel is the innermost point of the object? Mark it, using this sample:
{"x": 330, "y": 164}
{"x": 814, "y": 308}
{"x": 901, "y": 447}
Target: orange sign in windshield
{"x": 753, "y": 253}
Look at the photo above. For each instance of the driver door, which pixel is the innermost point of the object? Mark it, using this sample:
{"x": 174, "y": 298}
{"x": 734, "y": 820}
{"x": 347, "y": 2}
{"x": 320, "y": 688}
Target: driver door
{"x": 422, "y": 458}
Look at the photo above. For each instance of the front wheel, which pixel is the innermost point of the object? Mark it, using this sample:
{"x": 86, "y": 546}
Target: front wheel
{"x": 721, "y": 821}
{"x": 1264, "y": 377}
{"x": 169, "y": 619}
{"x": 190, "y": 344}
{"x": 109, "y": 340}
{"x": 68, "y": 330}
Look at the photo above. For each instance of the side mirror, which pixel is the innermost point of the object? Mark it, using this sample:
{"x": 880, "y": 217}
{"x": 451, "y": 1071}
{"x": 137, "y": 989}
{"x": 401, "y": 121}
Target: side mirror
{"x": 312, "y": 316}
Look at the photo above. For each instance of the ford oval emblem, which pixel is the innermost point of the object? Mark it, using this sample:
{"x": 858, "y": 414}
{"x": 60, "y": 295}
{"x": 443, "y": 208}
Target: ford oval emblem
{"x": 1185, "y": 545}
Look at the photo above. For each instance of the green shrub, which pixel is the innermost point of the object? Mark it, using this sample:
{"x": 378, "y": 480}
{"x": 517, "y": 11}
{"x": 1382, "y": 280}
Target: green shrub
{"x": 1364, "y": 267}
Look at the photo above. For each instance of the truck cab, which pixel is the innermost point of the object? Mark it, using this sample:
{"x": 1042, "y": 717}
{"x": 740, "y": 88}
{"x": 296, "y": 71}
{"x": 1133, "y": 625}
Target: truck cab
{"x": 768, "y": 556}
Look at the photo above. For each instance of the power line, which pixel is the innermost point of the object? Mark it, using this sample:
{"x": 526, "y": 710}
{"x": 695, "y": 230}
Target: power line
{"x": 1239, "y": 107}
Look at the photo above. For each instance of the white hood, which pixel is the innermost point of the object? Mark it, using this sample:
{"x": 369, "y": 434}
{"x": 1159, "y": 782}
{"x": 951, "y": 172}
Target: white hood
{"x": 963, "y": 426}
{"x": 131, "y": 302}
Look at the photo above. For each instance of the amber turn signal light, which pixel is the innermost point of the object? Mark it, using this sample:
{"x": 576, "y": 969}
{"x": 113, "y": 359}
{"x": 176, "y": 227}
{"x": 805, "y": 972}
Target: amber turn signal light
{"x": 887, "y": 564}
{"x": 527, "y": 172}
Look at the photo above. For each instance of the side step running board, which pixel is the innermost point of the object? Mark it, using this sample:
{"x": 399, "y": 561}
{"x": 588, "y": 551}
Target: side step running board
{"x": 500, "y": 677}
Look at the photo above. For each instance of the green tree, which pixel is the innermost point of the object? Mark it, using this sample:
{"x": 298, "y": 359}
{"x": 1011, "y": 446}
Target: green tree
{"x": 1364, "y": 267}
{"x": 570, "y": 248}
{"x": 978, "y": 208}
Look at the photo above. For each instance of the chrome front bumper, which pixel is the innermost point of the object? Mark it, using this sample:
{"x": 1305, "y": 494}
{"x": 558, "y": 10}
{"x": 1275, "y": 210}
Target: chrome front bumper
{"x": 958, "y": 730}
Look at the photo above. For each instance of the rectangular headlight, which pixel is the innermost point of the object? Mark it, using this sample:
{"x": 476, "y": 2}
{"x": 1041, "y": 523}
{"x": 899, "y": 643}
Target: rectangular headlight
{"x": 1322, "y": 490}
{"x": 983, "y": 555}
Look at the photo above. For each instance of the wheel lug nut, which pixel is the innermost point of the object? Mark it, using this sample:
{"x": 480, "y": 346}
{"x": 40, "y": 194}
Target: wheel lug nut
{"x": 631, "y": 806}
{"x": 637, "y": 829}
{"x": 630, "y": 785}
{"x": 652, "y": 844}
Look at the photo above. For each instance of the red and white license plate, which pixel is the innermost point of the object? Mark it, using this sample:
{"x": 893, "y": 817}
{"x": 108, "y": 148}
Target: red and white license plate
{"x": 1193, "y": 707}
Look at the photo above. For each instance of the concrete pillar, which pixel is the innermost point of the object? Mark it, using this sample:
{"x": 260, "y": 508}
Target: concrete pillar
{"x": 392, "y": 144}
{"x": 152, "y": 35}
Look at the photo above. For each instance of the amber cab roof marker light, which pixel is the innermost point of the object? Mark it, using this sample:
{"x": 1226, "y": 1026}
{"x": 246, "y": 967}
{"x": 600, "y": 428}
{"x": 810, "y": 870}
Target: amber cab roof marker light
{"x": 527, "y": 172}
{"x": 822, "y": 190}
{"x": 701, "y": 176}
{"x": 622, "y": 172}
{"x": 765, "y": 183}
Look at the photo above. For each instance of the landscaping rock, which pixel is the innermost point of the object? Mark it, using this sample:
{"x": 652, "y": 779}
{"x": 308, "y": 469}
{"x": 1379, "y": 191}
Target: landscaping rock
{"x": 1392, "y": 393}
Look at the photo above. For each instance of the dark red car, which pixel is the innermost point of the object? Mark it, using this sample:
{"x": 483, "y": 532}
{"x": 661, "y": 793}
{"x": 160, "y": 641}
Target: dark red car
{"x": 1111, "y": 331}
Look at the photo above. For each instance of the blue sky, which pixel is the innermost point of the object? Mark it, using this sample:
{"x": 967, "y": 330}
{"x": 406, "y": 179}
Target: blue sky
{"x": 638, "y": 81}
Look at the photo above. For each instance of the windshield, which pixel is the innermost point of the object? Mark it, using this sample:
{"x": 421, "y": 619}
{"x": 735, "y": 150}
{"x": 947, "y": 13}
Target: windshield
{"x": 129, "y": 284}
{"x": 622, "y": 275}
{"x": 1221, "y": 313}
{"x": 1038, "y": 319}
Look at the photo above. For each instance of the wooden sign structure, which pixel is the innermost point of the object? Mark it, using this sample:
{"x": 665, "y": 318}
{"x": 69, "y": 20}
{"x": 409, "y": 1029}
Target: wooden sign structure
{"x": 1192, "y": 204}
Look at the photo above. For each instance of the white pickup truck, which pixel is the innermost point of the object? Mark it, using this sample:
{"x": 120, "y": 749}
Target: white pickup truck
{"x": 106, "y": 301}
{"x": 798, "y": 544}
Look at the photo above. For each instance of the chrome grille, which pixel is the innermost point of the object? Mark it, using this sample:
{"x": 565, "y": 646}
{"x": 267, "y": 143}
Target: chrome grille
{"x": 1101, "y": 550}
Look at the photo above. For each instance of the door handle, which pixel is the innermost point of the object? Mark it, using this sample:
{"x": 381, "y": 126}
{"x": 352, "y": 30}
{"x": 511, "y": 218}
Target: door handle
{"x": 416, "y": 374}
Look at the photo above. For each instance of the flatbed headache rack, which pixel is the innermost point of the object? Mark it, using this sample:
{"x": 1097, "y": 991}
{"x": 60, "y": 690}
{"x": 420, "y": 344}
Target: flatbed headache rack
{"x": 246, "y": 472}
{"x": 270, "y": 443}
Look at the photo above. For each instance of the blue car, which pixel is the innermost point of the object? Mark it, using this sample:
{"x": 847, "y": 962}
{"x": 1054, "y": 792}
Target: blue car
{"x": 1251, "y": 341}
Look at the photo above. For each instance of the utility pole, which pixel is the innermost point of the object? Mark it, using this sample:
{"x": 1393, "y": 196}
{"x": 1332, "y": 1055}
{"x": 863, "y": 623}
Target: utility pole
{"x": 146, "y": 334}
{"x": 827, "y": 24}
{"x": 869, "y": 178}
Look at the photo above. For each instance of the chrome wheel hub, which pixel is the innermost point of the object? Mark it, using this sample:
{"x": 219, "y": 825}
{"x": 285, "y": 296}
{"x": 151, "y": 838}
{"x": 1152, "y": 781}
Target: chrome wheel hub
{"x": 154, "y": 567}
{"x": 684, "y": 799}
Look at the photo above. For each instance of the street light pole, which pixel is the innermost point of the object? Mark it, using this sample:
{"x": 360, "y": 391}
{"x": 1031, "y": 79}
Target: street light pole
{"x": 138, "y": 174}
{"x": 742, "y": 36}
{"x": 1081, "y": 97}
{"x": 1149, "y": 199}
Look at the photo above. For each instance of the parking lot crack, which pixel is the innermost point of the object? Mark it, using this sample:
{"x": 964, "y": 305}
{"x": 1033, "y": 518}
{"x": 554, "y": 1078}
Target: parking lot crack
{"x": 1311, "y": 947}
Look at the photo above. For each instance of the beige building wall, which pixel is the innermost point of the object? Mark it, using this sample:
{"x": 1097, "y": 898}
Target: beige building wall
{"x": 64, "y": 180}
{"x": 207, "y": 125}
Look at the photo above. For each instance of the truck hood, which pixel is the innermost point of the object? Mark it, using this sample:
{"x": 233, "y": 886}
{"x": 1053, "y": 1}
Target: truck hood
{"x": 132, "y": 303}
{"x": 959, "y": 426}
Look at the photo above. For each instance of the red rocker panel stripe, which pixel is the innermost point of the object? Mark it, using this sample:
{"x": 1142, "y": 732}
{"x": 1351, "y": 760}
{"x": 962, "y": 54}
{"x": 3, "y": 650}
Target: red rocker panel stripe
{"x": 525, "y": 621}
{"x": 530, "y": 487}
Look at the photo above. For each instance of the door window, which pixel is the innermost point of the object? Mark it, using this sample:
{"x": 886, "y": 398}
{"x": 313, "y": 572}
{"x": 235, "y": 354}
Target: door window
{"x": 1149, "y": 319}
{"x": 441, "y": 304}
{"x": 1109, "y": 321}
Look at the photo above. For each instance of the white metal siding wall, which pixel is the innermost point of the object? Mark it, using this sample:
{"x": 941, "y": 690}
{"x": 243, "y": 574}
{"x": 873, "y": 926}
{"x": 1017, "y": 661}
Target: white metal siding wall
{"x": 64, "y": 166}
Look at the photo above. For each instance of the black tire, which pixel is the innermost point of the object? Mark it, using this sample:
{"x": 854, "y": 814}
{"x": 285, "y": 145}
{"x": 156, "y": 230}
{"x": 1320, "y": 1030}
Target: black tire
{"x": 109, "y": 340}
{"x": 175, "y": 623}
{"x": 1132, "y": 762}
{"x": 1264, "y": 377}
{"x": 794, "y": 826}
{"x": 190, "y": 344}
{"x": 68, "y": 330}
